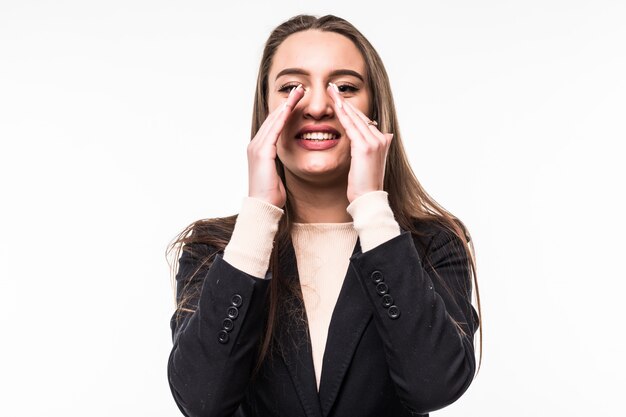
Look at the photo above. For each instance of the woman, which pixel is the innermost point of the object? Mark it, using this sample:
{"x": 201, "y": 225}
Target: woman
{"x": 341, "y": 288}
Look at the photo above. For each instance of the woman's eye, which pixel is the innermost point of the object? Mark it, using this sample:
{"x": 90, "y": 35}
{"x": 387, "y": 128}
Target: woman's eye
{"x": 347, "y": 88}
{"x": 287, "y": 88}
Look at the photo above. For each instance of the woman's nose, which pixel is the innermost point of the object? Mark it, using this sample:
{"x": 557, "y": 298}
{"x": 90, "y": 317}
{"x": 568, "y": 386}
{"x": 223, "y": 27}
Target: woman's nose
{"x": 317, "y": 104}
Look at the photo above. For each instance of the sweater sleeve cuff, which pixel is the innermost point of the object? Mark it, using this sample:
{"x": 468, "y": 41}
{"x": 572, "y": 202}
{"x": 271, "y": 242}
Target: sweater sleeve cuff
{"x": 250, "y": 246}
{"x": 373, "y": 219}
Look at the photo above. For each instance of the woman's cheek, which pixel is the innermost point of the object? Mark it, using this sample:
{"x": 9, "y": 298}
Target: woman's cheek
{"x": 272, "y": 104}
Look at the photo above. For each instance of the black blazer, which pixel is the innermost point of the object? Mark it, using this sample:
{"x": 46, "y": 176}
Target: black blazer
{"x": 394, "y": 346}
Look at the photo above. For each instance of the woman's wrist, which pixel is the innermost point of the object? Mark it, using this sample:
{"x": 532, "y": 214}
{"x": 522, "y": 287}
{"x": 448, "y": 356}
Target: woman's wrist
{"x": 251, "y": 244}
{"x": 373, "y": 219}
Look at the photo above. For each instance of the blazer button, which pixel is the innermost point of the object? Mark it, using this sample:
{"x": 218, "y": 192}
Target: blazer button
{"x": 223, "y": 336}
{"x": 382, "y": 288}
{"x": 236, "y": 300}
{"x": 387, "y": 301}
{"x": 377, "y": 277}
{"x": 228, "y": 325}
{"x": 394, "y": 312}
{"x": 232, "y": 312}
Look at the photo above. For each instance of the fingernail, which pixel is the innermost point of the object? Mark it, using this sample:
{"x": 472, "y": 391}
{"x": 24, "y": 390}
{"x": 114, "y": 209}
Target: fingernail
{"x": 338, "y": 100}
{"x": 293, "y": 90}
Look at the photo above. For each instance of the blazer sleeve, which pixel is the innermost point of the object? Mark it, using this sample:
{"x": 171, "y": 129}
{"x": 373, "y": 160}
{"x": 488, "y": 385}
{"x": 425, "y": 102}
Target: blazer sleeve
{"x": 419, "y": 316}
{"x": 215, "y": 345}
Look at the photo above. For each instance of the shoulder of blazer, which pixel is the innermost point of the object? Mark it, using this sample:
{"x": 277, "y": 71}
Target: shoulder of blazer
{"x": 431, "y": 233}
{"x": 426, "y": 231}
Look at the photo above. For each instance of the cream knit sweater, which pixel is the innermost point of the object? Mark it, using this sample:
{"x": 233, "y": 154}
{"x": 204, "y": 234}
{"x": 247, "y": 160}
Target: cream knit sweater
{"x": 322, "y": 252}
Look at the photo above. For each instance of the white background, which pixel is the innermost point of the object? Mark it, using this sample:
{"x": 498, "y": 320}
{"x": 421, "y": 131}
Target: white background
{"x": 123, "y": 121}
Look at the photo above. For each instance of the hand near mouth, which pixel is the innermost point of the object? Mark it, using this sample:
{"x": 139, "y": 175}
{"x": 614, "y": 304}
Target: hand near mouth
{"x": 368, "y": 147}
{"x": 264, "y": 182}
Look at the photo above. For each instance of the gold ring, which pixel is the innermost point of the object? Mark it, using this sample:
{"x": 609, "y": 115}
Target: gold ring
{"x": 372, "y": 123}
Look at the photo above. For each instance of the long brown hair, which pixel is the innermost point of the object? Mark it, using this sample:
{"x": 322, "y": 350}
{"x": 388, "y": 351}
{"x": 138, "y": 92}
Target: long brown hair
{"x": 408, "y": 200}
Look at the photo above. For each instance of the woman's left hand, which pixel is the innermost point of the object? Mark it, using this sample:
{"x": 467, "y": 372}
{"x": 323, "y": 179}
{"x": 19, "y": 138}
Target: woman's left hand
{"x": 368, "y": 147}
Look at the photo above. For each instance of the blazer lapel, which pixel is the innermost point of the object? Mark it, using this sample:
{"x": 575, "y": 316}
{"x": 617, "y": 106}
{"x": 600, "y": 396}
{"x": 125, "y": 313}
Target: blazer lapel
{"x": 294, "y": 339}
{"x": 350, "y": 317}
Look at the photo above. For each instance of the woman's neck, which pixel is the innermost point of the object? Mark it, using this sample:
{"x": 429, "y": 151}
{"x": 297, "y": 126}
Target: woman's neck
{"x": 313, "y": 203}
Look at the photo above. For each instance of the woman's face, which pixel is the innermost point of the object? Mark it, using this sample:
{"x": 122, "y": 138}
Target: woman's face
{"x": 313, "y": 145}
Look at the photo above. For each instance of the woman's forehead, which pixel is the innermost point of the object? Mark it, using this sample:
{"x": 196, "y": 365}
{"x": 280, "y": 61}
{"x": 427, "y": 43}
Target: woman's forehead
{"x": 318, "y": 53}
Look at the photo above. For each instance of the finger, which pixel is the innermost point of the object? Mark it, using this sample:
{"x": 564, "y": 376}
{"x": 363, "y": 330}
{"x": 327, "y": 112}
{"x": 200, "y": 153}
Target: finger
{"x": 271, "y": 119}
{"x": 284, "y": 111}
{"x": 353, "y": 112}
{"x": 346, "y": 121}
{"x": 265, "y": 126}
{"x": 368, "y": 122}
{"x": 361, "y": 124}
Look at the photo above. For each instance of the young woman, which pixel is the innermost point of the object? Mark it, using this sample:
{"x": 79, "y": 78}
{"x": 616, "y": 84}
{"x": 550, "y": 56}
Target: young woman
{"x": 341, "y": 288}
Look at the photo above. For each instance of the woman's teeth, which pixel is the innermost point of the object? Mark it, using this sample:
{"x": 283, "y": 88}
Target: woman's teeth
{"x": 318, "y": 136}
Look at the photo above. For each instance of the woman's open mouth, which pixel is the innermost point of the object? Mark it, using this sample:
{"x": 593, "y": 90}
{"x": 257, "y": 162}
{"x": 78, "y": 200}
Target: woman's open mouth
{"x": 317, "y": 137}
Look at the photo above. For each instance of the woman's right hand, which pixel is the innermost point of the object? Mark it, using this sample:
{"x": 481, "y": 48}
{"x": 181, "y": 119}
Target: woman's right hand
{"x": 263, "y": 180}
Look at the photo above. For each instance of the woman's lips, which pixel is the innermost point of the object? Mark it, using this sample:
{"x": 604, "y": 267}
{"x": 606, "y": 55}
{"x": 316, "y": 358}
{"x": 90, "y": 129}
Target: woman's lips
{"x": 317, "y": 145}
{"x": 316, "y": 137}
{"x": 316, "y": 130}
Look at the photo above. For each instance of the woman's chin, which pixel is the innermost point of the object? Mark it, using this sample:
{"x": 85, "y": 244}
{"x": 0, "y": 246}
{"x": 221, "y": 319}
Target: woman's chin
{"x": 319, "y": 171}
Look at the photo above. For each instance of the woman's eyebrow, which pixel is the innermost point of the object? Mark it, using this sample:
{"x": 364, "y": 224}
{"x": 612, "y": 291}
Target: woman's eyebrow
{"x": 300, "y": 71}
{"x": 289, "y": 71}
{"x": 347, "y": 72}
